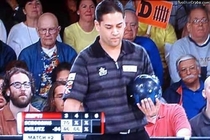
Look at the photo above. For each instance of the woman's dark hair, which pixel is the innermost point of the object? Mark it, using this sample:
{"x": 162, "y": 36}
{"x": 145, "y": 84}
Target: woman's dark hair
{"x": 106, "y": 7}
{"x": 23, "y": 3}
{"x": 50, "y": 107}
{"x": 60, "y": 67}
{"x": 78, "y": 2}
{"x": 1, "y": 77}
{"x": 16, "y": 63}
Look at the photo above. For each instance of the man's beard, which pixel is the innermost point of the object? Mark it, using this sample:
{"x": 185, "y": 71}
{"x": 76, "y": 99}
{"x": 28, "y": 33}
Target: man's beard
{"x": 19, "y": 103}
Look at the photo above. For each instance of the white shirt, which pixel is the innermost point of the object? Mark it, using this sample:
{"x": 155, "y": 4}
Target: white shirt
{"x": 22, "y": 36}
{"x": 3, "y": 32}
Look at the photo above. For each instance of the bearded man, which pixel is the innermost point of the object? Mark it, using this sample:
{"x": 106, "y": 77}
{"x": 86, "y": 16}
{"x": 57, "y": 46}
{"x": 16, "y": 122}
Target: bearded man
{"x": 18, "y": 89}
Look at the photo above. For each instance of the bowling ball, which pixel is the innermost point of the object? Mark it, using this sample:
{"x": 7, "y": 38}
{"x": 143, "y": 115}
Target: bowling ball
{"x": 144, "y": 86}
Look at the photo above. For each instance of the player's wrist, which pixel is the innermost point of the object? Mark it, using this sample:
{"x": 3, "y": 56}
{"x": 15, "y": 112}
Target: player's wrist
{"x": 151, "y": 118}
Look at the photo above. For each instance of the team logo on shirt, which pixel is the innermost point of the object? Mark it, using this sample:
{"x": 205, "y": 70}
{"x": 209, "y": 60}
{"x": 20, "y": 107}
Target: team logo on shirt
{"x": 102, "y": 71}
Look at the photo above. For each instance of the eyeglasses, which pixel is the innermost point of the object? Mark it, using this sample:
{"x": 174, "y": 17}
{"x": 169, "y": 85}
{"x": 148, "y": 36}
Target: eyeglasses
{"x": 191, "y": 69}
{"x": 43, "y": 31}
{"x": 198, "y": 21}
{"x": 18, "y": 85}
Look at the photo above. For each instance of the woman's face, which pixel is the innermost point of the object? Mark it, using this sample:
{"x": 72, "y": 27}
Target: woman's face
{"x": 86, "y": 10}
{"x": 58, "y": 97}
{"x": 33, "y": 9}
{"x": 2, "y": 99}
{"x": 71, "y": 4}
{"x": 62, "y": 75}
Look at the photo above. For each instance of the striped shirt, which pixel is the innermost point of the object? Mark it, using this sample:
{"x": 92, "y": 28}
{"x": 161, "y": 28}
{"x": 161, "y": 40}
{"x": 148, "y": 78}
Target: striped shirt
{"x": 100, "y": 83}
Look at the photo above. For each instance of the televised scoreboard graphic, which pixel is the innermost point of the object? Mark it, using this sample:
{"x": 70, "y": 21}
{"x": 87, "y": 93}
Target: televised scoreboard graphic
{"x": 52, "y": 125}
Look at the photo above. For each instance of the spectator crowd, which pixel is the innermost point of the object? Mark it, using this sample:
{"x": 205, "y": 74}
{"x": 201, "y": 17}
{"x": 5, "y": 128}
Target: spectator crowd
{"x": 80, "y": 55}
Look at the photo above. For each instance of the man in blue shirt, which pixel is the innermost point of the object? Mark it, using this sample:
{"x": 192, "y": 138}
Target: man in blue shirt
{"x": 43, "y": 56}
{"x": 130, "y": 33}
{"x": 188, "y": 91}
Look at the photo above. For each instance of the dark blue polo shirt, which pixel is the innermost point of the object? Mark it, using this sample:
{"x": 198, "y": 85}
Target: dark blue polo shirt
{"x": 193, "y": 101}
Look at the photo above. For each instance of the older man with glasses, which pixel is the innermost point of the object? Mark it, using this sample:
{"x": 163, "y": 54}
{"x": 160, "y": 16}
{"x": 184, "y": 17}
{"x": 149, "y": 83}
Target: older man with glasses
{"x": 18, "y": 88}
{"x": 188, "y": 91}
{"x": 196, "y": 43}
{"x": 43, "y": 56}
